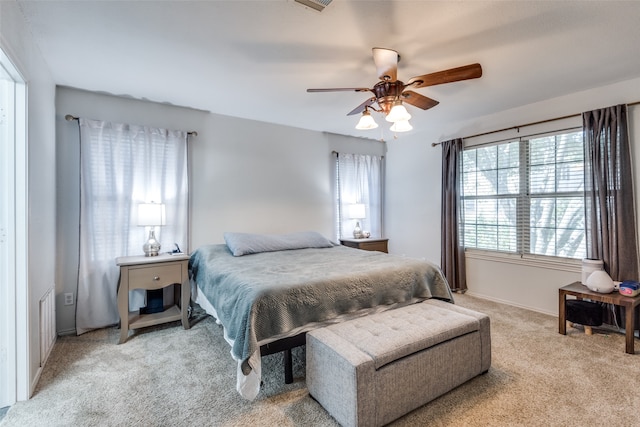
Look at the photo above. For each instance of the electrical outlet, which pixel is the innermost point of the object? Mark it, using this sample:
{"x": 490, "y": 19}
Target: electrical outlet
{"x": 68, "y": 298}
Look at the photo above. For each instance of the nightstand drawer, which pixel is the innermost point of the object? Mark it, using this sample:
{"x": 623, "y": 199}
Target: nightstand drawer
{"x": 374, "y": 246}
{"x": 156, "y": 276}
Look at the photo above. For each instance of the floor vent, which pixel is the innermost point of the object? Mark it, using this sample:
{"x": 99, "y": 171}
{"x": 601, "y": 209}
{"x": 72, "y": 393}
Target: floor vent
{"x": 318, "y": 5}
{"x": 47, "y": 325}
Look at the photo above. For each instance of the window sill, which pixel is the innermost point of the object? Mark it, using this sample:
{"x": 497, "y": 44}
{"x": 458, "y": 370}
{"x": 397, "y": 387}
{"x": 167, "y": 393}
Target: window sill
{"x": 554, "y": 263}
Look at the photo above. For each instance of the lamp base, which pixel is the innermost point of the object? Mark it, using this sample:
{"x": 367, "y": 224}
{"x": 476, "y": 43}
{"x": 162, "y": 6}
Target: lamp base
{"x": 152, "y": 246}
{"x": 357, "y": 231}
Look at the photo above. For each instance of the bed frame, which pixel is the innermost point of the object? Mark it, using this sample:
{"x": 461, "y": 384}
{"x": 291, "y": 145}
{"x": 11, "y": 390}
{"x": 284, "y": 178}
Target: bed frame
{"x": 285, "y": 345}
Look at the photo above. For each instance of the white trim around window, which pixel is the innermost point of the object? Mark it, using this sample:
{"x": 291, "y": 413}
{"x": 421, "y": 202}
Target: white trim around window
{"x": 539, "y": 261}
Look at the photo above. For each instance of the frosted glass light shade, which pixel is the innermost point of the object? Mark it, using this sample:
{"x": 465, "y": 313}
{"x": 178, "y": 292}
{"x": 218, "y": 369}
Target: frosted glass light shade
{"x": 401, "y": 126}
{"x": 151, "y": 214}
{"x": 398, "y": 113}
{"x": 366, "y": 121}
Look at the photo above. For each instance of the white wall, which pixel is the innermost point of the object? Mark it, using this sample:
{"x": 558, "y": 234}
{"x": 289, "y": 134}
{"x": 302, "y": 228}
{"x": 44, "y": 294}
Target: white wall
{"x": 246, "y": 175}
{"x": 413, "y": 196}
{"x": 40, "y": 245}
{"x": 260, "y": 177}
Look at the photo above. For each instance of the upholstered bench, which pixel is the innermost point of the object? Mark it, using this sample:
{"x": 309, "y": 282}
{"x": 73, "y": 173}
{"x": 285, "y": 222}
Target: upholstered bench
{"x": 374, "y": 369}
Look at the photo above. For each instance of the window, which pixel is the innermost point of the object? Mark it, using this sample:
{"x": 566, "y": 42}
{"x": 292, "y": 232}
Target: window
{"x": 358, "y": 194}
{"x": 122, "y": 166}
{"x": 525, "y": 196}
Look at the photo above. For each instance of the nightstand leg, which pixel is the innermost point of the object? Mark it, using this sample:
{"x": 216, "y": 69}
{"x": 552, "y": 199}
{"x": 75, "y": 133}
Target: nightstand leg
{"x": 629, "y": 328}
{"x": 123, "y": 336}
{"x": 123, "y": 309}
{"x": 562, "y": 325}
{"x": 185, "y": 299}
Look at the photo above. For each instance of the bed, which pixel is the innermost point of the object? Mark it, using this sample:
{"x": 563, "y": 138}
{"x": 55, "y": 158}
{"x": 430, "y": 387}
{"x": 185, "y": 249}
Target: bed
{"x": 269, "y": 289}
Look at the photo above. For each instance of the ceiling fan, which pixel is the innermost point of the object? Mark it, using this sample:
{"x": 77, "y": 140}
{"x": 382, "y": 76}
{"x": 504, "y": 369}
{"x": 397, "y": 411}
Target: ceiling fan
{"x": 390, "y": 93}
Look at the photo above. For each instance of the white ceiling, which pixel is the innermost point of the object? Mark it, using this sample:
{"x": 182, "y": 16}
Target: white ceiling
{"x": 255, "y": 59}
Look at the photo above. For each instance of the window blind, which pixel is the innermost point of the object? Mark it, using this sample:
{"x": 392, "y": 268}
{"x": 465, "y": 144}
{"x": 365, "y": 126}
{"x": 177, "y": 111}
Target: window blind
{"x": 525, "y": 196}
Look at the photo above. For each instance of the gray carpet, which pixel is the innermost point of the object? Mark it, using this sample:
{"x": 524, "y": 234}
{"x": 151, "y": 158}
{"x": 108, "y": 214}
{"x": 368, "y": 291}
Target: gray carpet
{"x": 166, "y": 376}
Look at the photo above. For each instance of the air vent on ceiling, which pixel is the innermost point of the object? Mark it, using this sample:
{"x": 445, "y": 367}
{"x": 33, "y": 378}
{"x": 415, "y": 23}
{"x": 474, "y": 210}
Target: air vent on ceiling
{"x": 318, "y": 5}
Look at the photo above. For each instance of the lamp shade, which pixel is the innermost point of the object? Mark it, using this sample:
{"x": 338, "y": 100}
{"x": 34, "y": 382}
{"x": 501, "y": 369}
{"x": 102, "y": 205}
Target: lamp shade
{"x": 398, "y": 113}
{"x": 357, "y": 211}
{"x": 151, "y": 214}
{"x": 401, "y": 126}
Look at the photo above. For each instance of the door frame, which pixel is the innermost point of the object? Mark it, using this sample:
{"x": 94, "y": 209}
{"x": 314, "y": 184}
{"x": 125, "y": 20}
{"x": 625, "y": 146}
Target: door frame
{"x": 14, "y": 308}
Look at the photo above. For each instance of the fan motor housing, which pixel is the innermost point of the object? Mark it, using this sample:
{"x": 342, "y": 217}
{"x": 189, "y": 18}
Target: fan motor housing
{"x": 387, "y": 92}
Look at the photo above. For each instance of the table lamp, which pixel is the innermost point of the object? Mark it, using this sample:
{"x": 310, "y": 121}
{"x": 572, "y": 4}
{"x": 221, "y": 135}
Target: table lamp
{"x": 357, "y": 212}
{"x": 151, "y": 215}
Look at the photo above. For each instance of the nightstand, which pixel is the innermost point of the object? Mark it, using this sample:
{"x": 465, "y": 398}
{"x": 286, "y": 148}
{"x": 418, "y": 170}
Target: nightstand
{"x": 140, "y": 272}
{"x": 367, "y": 244}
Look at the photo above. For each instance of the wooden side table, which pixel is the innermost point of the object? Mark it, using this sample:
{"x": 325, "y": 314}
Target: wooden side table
{"x": 140, "y": 272}
{"x": 580, "y": 291}
{"x": 366, "y": 244}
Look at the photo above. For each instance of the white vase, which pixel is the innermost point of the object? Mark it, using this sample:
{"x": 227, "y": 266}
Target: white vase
{"x": 589, "y": 266}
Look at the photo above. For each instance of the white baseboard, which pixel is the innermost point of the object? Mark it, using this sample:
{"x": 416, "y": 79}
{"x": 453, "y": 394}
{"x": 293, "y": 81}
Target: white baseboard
{"x": 502, "y": 301}
{"x": 34, "y": 383}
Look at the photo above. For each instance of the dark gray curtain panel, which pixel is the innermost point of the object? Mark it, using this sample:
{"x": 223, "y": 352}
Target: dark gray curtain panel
{"x": 609, "y": 199}
{"x": 452, "y": 253}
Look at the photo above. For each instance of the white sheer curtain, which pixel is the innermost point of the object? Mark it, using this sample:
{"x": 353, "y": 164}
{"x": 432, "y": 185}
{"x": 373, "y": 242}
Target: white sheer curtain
{"x": 121, "y": 166}
{"x": 359, "y": 180}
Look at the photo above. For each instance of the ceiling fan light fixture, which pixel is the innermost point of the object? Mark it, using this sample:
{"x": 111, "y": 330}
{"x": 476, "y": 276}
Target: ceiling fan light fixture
{"x": 389, "y": 93}
{"x": 366, "y": 121}
{"x": 401, "y": 126}
{"x": 398, "y": 113}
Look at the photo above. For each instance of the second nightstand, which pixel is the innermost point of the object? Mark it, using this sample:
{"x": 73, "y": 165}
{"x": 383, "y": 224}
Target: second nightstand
{"x": 366, "y": 244}
{"x": 140, "y": 272}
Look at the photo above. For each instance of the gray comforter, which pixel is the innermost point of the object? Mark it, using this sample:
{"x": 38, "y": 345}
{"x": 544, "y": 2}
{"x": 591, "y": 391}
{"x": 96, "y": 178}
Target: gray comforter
{"x": 266, "y": 295}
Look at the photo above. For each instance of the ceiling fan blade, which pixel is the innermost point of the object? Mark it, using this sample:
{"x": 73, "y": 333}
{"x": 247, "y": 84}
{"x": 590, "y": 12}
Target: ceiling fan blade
{"x": 466, "y": 72}
{"x": 386, "y": 61}
{"x": 341, "y": 89}
{"x": 360, "y": 108}
{"x": 417, "y": 100}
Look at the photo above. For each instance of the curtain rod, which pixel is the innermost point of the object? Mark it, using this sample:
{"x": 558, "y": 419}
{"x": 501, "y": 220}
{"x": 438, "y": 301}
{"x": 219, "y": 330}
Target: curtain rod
{"x": 334, "y": 152}
{"x": 69, "y": 118}
{"x": 434, "y": 144}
